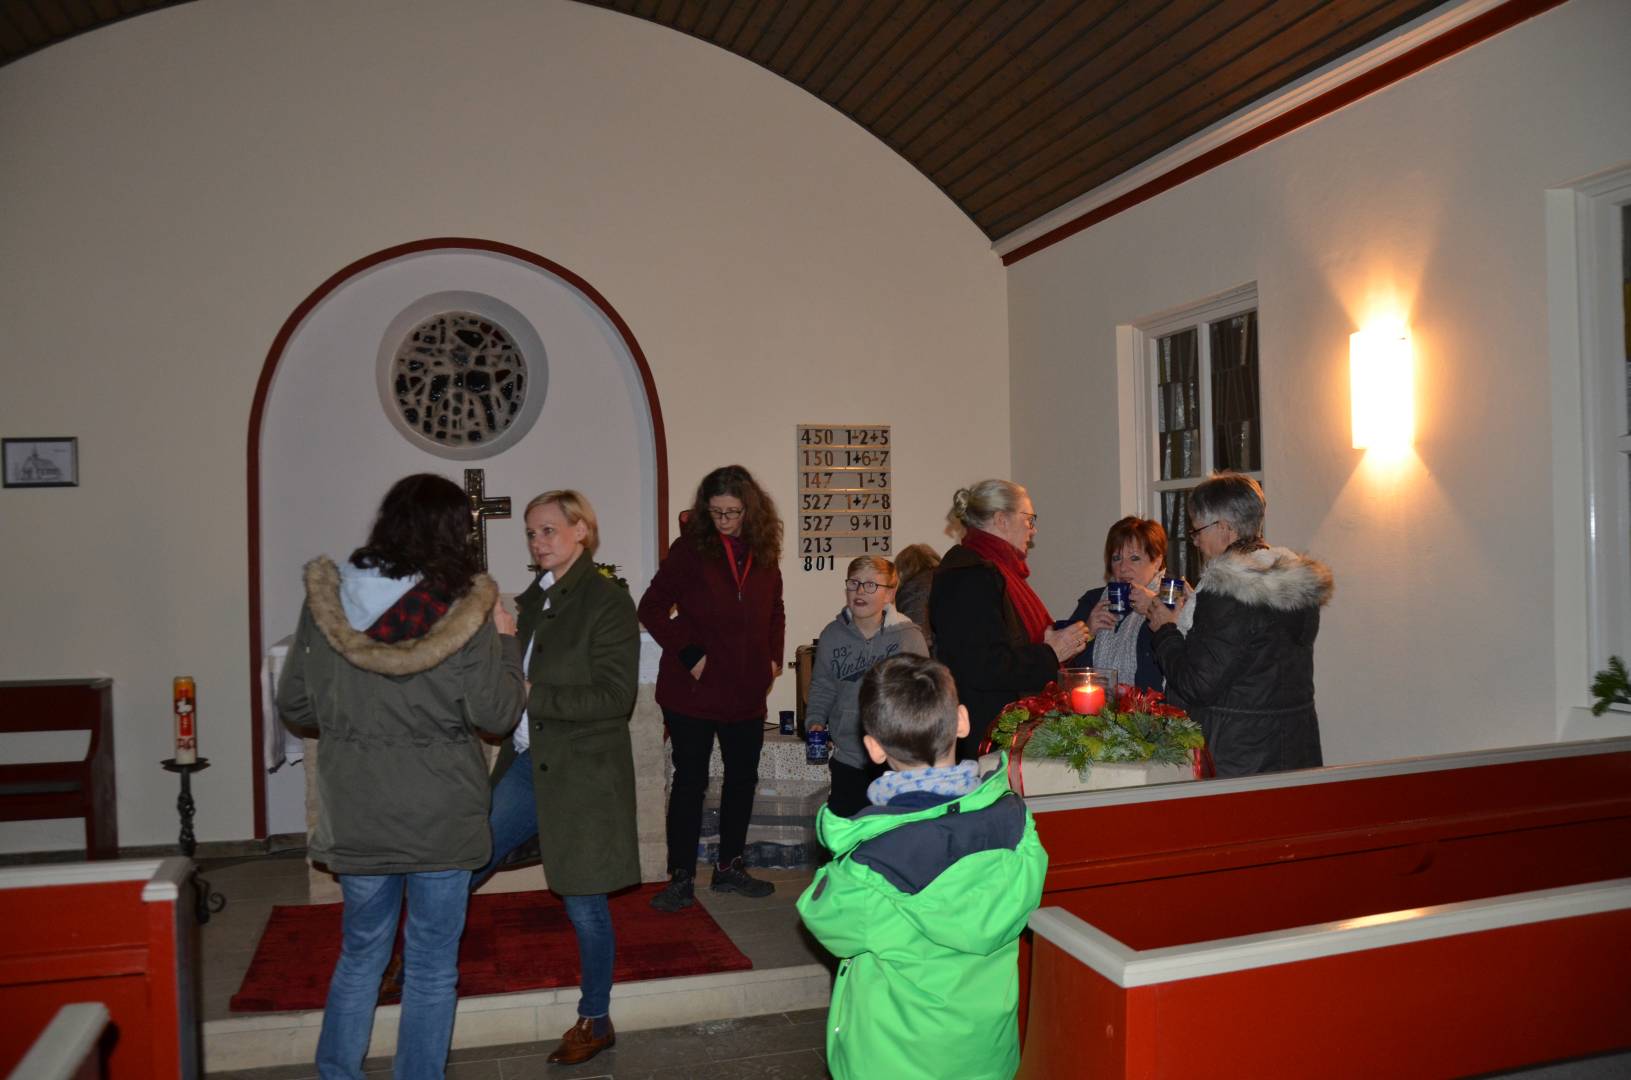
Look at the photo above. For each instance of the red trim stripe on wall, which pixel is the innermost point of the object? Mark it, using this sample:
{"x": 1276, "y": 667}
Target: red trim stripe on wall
{"x": 1470, "y": 33}
{"x": 257, "y": 413}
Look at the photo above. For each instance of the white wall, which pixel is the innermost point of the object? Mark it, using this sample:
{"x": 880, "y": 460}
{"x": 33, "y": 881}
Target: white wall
{"x": 1424, "y": 201}
{"x": 175, "y": 184}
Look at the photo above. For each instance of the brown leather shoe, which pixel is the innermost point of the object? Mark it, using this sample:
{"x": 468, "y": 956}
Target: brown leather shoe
{"x": 390, "y": 984}
{"x": 579, "y": 1042}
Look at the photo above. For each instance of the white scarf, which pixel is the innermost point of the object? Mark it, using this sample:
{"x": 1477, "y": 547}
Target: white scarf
{"x": 1118, "y": 648}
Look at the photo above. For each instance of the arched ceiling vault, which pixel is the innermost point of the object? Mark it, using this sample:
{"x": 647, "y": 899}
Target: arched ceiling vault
{"x": 1011, "y": 107}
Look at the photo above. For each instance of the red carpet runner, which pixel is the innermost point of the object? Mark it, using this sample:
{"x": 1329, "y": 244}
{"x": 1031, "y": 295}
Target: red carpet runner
{"x": 512, "y": 941}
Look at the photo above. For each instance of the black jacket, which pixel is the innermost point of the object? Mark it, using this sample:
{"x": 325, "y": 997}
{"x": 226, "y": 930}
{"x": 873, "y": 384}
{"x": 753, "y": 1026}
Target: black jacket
{"x": 978, "y": 635}
{"x": 1245, "y": 671}
{"x": 1148, "y": 676}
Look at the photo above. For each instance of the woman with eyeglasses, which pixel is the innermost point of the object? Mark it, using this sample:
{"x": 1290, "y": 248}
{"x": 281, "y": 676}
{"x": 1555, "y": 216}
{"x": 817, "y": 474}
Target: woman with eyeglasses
{"x": 1239, "y": 655}
{"x": 715, "y": 607}
{"x": 868, "y": 629}
{"x": 990, "y": 627}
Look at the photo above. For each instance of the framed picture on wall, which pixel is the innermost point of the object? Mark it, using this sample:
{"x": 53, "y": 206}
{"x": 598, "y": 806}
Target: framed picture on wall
{"x": 43, "y": 462}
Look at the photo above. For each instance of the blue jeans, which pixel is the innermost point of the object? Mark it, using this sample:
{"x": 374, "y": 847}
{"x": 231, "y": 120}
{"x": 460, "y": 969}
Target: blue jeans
{"x": 430, "y": 971}
{"x": 514, "y": 820}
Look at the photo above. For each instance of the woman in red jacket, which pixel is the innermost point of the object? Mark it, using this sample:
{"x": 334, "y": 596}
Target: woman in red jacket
{"x": 715, "y": 607}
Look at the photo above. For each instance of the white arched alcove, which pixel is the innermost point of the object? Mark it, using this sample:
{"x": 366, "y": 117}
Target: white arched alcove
{"x": 328, "y": 450}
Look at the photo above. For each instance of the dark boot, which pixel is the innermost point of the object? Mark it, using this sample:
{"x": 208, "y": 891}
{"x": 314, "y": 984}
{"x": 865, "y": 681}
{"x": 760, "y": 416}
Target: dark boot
{"x": 390, "y": 984}
{"x": 733, "y": 878}
{"x": 680, "y": 892}
{"x": 523, "y": 856}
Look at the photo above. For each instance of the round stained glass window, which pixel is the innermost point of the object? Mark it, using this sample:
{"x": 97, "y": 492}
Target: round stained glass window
{"x": 458, "y": 380}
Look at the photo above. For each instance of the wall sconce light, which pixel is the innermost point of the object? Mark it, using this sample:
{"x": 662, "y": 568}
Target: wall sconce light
{"x": 1382, "y": 382}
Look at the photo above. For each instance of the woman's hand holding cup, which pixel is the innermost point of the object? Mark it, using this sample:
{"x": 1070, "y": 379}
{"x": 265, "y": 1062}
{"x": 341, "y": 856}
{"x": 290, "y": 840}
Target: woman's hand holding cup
{"x": 1067, "y": 641}
{"x": 1145, "y": 600}
{"x": 1100, "y": 620}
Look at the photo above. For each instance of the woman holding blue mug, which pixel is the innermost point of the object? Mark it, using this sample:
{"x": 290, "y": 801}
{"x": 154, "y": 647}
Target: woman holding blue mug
{"x": 1135, "y": 556}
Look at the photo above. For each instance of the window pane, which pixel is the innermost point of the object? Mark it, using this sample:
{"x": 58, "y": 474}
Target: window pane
{"x": 1177, "y": 394}
{"x": 1236, "y": 430}
{"x": 1182, "y": 558}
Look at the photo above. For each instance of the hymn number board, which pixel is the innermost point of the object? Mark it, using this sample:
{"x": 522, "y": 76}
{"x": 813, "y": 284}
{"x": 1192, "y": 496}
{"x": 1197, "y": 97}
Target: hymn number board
{"x": 845, "y": 493}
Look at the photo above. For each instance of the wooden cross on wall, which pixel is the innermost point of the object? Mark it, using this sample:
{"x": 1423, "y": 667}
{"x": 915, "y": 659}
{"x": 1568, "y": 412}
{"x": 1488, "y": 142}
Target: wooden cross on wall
{"x": 482, "y": 508}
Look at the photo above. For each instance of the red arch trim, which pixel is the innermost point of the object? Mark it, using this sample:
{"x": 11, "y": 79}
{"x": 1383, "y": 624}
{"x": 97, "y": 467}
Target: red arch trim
{"x": 257, "y": 413}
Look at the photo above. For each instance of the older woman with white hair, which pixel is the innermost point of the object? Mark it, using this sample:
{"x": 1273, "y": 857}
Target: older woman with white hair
{"x": 1239, "y": 654}
{"x": 990, "y": 627}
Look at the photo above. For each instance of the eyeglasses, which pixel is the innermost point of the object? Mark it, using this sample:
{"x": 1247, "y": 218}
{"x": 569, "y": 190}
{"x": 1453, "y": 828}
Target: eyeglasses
{"x": 724, "y": 515}
{"x": 868, "y": 587}
{"x": 1030, "y": 519}
{"x": 1196, "y": 530}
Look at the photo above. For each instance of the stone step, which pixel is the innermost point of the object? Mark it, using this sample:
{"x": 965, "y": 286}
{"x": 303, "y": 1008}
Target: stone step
{"x": 267, "y": 1039}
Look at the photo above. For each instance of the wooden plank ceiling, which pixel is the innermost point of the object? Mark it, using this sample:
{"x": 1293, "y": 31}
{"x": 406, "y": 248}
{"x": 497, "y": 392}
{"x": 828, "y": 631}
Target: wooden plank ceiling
{"x": 30, "y": 25}
{"x": 1011, "y": 107}
{"x": 1015, "y": 107}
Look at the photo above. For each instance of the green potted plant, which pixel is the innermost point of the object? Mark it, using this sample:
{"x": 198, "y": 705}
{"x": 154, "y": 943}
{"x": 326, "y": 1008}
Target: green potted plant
{"x": 1612, "y": 686}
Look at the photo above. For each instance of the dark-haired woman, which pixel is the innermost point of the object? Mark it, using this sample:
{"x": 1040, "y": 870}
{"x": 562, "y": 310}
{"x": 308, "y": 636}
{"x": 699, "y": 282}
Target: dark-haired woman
{"x": 715, "y": 607}
{"x": 401, "y": 654}
{"x": 916, "y": 565}
{"x": 1135, "y": 552}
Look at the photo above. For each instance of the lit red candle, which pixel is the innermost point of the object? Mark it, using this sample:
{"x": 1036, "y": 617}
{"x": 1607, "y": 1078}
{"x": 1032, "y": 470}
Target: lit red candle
{"x": 1087, "y": 700}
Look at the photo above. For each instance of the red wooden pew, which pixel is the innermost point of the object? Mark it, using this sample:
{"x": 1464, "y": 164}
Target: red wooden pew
{"x": 1150, "y": 873}
{"x": 116, "y": 932}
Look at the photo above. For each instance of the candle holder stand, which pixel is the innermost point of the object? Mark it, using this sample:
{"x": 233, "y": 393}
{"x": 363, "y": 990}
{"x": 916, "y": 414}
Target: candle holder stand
{"x": 207, "y": 901}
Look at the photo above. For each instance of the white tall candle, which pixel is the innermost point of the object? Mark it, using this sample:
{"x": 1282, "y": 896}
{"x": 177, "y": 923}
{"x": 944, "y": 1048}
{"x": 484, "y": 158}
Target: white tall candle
{"x": 186, "y": 699}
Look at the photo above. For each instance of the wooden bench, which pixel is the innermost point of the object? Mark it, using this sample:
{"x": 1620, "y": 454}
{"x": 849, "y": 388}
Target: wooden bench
{"x": 1449, "y": 990}
{"x": 1157, "y": 898}
{"x": 120, "y": 932}
{"x": 70, "y": 1046}
{"x": 83, "y": 788}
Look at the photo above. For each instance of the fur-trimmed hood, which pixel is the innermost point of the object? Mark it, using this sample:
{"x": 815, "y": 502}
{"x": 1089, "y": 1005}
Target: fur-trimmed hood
{"x": 1275, "y": 577}
{"x": 446, "y": 637}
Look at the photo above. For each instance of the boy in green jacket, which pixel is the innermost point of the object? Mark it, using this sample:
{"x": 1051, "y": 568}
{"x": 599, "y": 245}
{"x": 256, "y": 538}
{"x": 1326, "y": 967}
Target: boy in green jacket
{"x": 926, "y": 895}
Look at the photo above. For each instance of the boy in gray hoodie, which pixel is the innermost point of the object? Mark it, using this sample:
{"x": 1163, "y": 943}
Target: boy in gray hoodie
{"x": 867, "y": 630}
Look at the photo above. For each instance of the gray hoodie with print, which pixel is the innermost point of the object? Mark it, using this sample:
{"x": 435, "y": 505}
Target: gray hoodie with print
{"x": 842, "y": 657}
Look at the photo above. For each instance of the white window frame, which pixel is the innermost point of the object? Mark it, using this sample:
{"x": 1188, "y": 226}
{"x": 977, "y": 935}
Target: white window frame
{"x": 1136, "y": 377}
{"x": 1591, "y": 459}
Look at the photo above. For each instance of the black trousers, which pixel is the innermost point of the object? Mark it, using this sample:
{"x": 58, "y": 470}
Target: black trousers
{"x": 849, "y": 784}
{"x": 691, "y": 741}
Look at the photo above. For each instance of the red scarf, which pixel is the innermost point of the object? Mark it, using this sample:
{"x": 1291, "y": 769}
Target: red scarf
{"x": 1027, "y": 605}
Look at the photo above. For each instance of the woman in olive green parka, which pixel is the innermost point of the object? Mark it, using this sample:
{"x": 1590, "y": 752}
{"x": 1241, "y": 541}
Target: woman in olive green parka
{"x": 567, "y": 774}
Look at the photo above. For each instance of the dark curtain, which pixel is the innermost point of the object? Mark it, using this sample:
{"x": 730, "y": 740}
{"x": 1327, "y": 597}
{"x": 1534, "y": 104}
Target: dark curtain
{"x": 1236, "y": 431}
